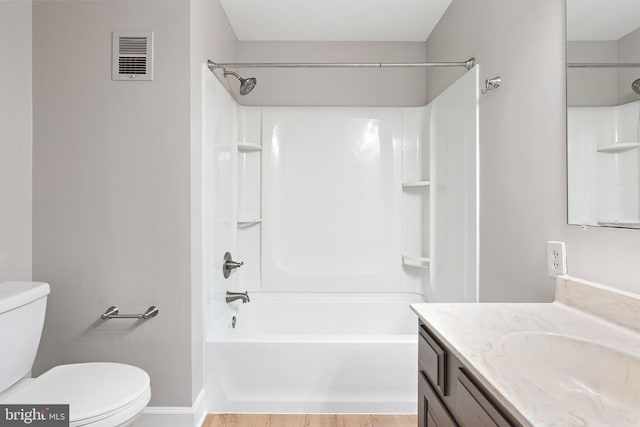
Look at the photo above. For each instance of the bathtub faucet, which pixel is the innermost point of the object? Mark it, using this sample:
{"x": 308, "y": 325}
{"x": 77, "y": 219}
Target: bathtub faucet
{"x": 233, "y": 296}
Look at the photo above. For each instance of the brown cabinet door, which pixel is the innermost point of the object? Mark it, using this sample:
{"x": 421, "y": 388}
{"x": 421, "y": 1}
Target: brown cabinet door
{"x": 432, "y": 359}
{"x": 431, "y": 410}
{"x": 422, "y": 401}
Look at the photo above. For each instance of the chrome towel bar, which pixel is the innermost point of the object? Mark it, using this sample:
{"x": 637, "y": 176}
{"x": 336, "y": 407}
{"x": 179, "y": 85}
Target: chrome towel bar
{"x": 113, "y": 313}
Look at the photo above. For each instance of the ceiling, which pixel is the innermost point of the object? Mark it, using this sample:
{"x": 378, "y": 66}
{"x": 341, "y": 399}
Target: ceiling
{"x": 601, "y": 19}
{"x": 334, "y": 20}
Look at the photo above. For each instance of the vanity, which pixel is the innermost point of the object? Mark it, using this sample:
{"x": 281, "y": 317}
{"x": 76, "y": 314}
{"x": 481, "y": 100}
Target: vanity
{"x": 573, "y": 362}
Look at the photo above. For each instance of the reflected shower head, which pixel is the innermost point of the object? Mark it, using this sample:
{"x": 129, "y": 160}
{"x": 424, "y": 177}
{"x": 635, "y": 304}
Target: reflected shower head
{"x": 246, "y": 85}
{"x": 636, "y": 86}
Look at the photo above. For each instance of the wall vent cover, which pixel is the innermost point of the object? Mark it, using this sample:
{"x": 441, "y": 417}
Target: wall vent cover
{"x": 132, "y": 55}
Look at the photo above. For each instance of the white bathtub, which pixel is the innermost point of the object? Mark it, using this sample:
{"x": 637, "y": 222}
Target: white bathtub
{"x": 323, "y": 353}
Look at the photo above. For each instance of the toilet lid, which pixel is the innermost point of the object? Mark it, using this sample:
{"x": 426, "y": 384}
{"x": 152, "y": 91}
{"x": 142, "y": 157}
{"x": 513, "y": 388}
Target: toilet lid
{"x": 91, "y": 389}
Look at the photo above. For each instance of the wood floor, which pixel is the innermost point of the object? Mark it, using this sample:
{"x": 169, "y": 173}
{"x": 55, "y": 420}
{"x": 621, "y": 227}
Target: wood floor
{"x": 312, "y": 420}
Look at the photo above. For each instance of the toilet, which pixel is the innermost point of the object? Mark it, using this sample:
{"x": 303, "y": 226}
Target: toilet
{"x": 98, "y": 394}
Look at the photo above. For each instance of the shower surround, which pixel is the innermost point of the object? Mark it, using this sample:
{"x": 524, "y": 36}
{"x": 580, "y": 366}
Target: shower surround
{"x": 329, "y": 208}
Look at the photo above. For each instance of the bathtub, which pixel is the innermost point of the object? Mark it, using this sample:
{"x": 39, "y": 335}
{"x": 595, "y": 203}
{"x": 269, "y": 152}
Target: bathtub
{"x": 319, "y": 353}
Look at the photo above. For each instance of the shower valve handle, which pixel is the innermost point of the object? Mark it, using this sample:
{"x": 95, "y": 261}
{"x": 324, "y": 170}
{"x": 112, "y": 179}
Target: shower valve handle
{"x": 229, "y": 264}
{"x": 233, "y": 264}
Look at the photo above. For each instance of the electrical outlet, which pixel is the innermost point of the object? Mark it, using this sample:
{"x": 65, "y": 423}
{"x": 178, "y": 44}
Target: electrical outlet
{"x": 556, "y": 259}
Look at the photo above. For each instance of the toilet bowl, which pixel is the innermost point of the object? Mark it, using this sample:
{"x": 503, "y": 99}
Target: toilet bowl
{"x": 98, "y": 394}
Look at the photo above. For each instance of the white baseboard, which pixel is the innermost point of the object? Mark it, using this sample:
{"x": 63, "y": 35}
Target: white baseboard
{"x": 200, "y": 409}
{"x": 175, "y": 416}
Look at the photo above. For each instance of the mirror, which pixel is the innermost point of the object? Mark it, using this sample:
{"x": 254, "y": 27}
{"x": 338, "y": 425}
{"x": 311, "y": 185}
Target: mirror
{"x": 603, "y": 112}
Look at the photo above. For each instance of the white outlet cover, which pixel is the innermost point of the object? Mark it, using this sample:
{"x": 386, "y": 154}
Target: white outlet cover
{"x": 556, "y": 259}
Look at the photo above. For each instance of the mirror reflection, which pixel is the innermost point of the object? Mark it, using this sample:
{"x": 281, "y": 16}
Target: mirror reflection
{"x": 603, "y": 112}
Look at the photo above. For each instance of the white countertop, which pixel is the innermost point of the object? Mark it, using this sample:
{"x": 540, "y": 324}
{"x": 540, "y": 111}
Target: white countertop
{"x": 476, "y": 334}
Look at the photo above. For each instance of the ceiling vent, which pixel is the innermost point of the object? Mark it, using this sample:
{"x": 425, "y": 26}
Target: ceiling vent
{"x": 132, "y": 55}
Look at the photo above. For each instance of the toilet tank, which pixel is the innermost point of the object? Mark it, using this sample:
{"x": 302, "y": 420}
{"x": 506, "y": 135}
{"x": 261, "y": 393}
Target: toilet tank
{"x": 22, "y": 309}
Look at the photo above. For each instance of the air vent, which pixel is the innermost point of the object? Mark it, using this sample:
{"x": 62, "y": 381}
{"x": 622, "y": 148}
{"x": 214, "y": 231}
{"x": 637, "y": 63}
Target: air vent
{"x": 132, "y": 56}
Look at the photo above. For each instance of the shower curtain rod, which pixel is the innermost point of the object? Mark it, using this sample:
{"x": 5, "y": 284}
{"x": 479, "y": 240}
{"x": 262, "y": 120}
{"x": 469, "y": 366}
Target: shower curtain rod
{"x": 468, "y": 64}
{"x": 603, "y": 65}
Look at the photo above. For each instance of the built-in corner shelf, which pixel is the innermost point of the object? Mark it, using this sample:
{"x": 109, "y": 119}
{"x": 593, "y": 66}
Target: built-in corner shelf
{"x": 247, "y": 222}
{"x": 618, "y": 147}
{"x": 246, "y": 147}
{"x": 415, "y": 184}
{"x": 415, "y": 261}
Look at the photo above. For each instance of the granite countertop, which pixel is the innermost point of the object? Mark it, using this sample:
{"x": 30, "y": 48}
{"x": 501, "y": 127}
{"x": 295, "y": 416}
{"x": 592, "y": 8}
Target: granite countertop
{"x": 477, "y": 334}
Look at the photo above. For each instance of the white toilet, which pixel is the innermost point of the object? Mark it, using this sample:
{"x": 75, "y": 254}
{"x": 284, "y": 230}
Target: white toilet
{"x": 98, "y": 394}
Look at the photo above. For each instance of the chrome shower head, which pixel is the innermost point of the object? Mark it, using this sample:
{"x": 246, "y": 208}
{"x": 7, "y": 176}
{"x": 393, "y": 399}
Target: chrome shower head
{"x": 636, "y": 86}
{"x": 246, "y": 85}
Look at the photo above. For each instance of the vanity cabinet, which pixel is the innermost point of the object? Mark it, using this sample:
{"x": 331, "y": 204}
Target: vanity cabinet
{"x": 448, "y": 394}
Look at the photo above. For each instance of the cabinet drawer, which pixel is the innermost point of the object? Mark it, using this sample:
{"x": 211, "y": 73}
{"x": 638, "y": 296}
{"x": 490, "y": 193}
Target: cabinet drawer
{"x": 432, "y": 359}
{"x": 474, "y": 408}
{"x": 433, "y": 412}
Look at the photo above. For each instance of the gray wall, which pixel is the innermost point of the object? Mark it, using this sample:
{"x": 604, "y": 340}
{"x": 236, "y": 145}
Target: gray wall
{"x": 15, "y": 140}
{"x": 344, "y": 87}
{"x": 522, "y": 150}
{"x": 522, "y": 134}
{"x": 111, "y": 187}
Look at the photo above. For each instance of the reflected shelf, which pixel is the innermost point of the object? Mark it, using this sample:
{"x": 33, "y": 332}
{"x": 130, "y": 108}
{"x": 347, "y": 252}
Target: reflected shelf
{"x": 618, "y": 147}
{"x": 246, "y": 147}
{"x": 415, "y": 184}
{"x": 415, "y": 261}
{"x": 620, "y": 223}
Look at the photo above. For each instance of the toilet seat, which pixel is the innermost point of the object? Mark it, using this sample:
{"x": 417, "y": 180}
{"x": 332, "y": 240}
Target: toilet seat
{"x": 118, "y": 417}
{"x": 98, "y": 394}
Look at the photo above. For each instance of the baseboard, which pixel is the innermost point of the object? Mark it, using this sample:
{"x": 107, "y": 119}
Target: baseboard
{"x": 175, "y": 416}
{"x": 297, "y": 407}
{"x": 200, "y": 409}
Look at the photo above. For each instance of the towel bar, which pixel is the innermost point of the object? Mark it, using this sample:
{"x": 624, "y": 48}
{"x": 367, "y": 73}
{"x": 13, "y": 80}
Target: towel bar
{"x": 113, "y": 313}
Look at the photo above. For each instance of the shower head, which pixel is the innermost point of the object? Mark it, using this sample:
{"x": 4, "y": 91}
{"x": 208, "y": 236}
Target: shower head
{"x": 246, "y": 85}
{"x": 636, "y": 86}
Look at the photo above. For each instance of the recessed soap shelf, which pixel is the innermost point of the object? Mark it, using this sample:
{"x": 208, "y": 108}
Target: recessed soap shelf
{"x": 247, "y": 147}
{"x": 618, "y": 147}
{"x": 247, "y": 222}
{"x": 415, "y": 184}
{"x": 416, "y": 261}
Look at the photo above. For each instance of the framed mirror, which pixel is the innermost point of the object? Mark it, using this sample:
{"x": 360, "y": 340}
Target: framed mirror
{"x": 603, "y": 112}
